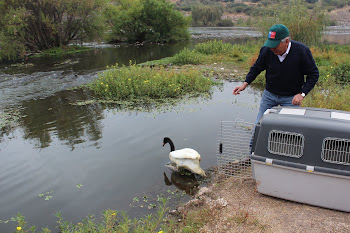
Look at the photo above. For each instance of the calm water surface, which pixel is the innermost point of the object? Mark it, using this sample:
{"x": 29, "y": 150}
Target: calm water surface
{"x": 115, "y": 155}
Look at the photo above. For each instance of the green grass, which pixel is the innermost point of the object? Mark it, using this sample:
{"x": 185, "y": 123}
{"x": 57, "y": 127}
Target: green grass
{"x": 137, "y": 83}
{"x": 112, "y": 221}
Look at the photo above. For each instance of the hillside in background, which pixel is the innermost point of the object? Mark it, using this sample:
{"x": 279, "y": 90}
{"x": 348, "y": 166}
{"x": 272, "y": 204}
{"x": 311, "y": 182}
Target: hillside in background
{"x": 243, "y": 12}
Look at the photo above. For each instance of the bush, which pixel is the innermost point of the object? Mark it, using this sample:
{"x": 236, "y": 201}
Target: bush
{"x": 342, "y": 72}
{"x": 206, "y": 15}
{"x": 225, "y": 23}
{"x": 27, "y": 25}
{"x": 240, "y": 8}
{"x": 147, "y": 20}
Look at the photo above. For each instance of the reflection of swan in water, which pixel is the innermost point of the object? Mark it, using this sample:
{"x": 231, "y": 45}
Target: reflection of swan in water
{"x": 184, "y": 159}
{"x": 189, "y": 184}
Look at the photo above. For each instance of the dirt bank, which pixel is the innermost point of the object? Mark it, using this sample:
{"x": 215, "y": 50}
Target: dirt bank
{"x": 236, "y": 206}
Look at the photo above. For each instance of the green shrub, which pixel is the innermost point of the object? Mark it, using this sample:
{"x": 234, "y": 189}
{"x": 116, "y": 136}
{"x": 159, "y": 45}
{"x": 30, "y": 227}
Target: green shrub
{"x": 225, "y": 23}
{"x": 239, "y": 8}
{"x": 342, "y": 72}
{"x": 147, "y": 20}
{"x": 40, "y": 25}
{"x": 206, "y": 15}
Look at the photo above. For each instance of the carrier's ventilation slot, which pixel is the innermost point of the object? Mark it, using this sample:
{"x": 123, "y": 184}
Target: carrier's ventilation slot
{"x": 286, "y": 143}
{"x": 233, "y": 148}
{"x": 336, "y": 150}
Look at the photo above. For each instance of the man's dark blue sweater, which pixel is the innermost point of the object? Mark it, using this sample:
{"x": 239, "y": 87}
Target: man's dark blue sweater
{"x": 286, "y": 78}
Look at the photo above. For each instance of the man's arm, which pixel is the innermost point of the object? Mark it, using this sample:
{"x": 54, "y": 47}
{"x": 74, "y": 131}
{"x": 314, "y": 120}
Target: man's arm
{"x": 311, "y": 72}
{"x": 254, "y": 71}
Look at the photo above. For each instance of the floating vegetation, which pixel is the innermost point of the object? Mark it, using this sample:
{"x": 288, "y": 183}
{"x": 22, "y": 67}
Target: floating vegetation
{"x": 22, "y": 65}
{"x": 151, "y": 85}
{"x": 47, "y": 195}
{"x": 9, "y": 119}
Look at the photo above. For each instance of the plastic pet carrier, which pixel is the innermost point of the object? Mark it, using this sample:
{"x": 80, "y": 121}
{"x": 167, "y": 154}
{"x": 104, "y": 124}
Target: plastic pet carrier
{"x": 303, "y": 155}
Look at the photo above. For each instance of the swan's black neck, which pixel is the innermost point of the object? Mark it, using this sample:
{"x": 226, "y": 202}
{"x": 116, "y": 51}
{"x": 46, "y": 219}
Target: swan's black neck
{"x": 167, "y": 140}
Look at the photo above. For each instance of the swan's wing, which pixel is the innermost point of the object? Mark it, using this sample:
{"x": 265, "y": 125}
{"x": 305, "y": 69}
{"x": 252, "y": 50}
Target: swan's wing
{"x": 185, "y": 153}
{"x": 189, "y": 164}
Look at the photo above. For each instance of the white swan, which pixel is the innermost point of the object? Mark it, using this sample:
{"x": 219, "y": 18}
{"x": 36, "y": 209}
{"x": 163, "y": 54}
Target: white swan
{"x": 185, "y": 158}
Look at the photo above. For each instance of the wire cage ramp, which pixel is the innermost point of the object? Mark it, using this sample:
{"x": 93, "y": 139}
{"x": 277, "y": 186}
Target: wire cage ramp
{"x": 233, "y": 148}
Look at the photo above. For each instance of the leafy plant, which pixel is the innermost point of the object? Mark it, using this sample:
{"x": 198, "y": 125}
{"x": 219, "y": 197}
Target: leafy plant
{"x": 27, "y": 26}
{"x": 342, "y": 72}
{"x": 146, "y": 20}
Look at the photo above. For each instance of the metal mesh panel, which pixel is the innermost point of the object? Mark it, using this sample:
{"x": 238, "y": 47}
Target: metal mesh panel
{"x": 286, "y": 143}
{"x": 336, "y": 150}
{"x": 233, "y": 148}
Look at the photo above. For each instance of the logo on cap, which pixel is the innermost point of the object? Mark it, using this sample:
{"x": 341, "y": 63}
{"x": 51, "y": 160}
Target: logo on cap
{"x": 272, "y": 35}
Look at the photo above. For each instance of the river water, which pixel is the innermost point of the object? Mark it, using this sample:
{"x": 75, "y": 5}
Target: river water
{"x": 81, "y": 160}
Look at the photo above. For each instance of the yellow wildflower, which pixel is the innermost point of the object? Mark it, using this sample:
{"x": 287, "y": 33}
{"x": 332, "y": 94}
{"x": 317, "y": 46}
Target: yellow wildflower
{"x": 101, "y": 83}
{"x": 160, "y": 232}
{"x": 19, "y": 228}
{"x": 106, "y": 85}
{"x": 113, "y": 214}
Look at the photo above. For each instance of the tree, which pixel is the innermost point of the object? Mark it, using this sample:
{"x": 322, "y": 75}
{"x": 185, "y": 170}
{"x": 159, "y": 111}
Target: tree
{"x": 43, "y": 24}
{"x": 206, "y": 15}
{"x": 147, "y": 20}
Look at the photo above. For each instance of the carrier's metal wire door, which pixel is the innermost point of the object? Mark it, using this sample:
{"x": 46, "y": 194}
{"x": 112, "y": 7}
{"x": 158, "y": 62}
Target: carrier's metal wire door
{"x": 233, "y": 148}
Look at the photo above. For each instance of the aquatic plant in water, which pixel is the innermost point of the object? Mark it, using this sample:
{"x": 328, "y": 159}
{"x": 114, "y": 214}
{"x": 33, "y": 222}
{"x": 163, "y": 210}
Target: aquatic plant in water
{"x": 135, "y": 83}
{"x": 9, "y": 119}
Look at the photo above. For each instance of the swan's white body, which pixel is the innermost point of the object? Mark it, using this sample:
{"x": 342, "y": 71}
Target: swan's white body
{"x": 188, "y": 159}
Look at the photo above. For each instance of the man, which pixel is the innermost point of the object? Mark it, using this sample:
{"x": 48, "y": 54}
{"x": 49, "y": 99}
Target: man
{"x": 286, "y": 63}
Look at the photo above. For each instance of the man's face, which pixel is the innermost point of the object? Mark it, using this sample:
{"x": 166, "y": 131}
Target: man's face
{"x": 281, "y": 48}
